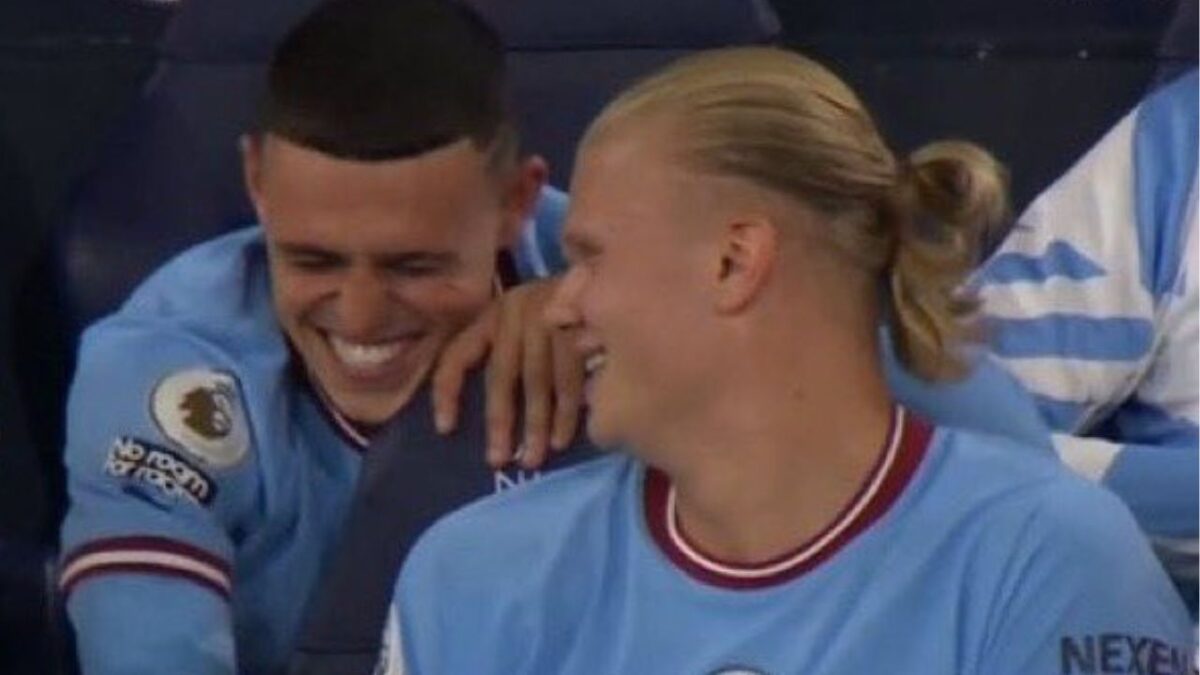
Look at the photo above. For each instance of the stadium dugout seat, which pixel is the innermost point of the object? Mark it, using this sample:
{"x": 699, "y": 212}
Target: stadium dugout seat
{"x": 170, "y": 176}
{"x": 1179, "y": 49}
{"x": 28, "y": 634}
{"x": 50, "y": 128}
{"x": 1036, "y": 83}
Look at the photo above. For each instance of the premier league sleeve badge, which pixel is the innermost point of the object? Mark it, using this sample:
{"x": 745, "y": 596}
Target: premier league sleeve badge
{"x": 201, "y": 410}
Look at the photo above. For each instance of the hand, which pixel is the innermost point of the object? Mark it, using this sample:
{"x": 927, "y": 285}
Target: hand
{"x": 524, "y": 350}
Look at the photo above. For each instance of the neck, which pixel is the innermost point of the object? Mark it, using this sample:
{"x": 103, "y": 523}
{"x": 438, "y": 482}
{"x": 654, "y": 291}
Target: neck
{"x": 780, "y": 454}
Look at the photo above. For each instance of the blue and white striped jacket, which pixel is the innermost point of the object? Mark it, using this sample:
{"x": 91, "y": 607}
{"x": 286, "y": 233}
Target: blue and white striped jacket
{"x": 1092, "y": 304}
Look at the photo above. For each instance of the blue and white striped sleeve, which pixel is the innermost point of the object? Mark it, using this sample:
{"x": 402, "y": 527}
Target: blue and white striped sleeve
{"x": 1092, "y": 304}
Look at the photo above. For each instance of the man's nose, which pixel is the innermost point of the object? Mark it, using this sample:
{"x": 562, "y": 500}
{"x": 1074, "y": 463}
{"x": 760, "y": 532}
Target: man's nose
{"x": 364, "y": 304}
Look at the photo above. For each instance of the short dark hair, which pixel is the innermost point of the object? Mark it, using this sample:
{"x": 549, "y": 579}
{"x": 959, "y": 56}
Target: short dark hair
{"x": 387, "y": 79}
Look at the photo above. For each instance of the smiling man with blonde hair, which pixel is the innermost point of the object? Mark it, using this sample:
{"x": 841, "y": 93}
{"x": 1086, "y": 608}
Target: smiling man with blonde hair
{"x": 738, "y": 230}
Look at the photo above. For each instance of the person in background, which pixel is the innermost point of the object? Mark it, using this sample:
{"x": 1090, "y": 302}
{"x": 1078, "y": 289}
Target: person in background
{"x": 1092, "y": 303}
{"x": 738, "y": 230}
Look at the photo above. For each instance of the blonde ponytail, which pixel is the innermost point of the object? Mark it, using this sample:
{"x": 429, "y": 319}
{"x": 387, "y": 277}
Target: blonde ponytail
{"x": 950, "y": 194}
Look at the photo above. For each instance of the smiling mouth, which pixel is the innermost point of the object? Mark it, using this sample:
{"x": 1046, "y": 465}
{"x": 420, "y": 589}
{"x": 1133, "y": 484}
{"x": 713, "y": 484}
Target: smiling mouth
{"x": 594, "y": 362}
{"x": 592, "y": 366}
{"x": 367, "y": 359}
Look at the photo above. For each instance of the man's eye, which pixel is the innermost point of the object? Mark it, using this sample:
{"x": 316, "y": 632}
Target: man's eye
{"x": 587, "y": 257}
{"x": 582, "y": 252}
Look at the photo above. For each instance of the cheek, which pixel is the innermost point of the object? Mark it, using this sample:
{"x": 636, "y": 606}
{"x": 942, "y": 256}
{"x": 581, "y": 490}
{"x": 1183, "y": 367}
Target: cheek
{"x": 295, "y": 295}
{"x": 630, "y": 295}
{"x": 647, "y": 315}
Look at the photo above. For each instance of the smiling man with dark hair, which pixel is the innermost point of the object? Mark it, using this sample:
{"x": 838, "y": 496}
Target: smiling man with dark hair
{"x": 217, "y": 420}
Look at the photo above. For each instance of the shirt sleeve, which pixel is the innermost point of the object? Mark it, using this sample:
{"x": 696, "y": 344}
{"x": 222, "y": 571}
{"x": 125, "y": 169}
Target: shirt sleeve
{"x": 157, "y": 458}
{"x": 1080, "y": 592}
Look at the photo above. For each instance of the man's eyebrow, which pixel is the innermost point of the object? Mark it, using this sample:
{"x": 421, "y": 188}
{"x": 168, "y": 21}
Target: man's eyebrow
{"x": 299, "y": 249}
{"x": 411, "y": 257}
{"x": 443, "y": 259}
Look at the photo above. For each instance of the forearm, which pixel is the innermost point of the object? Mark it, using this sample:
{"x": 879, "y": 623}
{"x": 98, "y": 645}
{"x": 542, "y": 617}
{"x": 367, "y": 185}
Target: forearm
{"x": 135, "y": 624}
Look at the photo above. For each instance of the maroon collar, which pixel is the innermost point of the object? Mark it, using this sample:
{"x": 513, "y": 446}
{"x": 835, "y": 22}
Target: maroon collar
{"x": 908, "y": 439}
{"x": 358, "y": 435}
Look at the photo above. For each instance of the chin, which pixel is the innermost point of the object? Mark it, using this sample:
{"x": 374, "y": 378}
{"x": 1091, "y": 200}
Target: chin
{"x": 372, "y": 405}
{"x": 601, "y": 432}
{"x": 371, "y": 412}
{"x": 371, "y": 401}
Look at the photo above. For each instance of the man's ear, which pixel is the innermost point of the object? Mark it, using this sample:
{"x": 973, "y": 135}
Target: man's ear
{"x": 251, "y": 147}
{"x": 521, "y": 196}
{"x": 748, "y": 251}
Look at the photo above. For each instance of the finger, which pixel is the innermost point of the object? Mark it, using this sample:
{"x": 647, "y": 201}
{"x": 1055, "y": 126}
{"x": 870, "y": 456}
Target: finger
{"x": 502, "y": 371}
{"x": 569, "y": 375}
{"x": 464, "y": 352}
{"x": 536, "y": 382}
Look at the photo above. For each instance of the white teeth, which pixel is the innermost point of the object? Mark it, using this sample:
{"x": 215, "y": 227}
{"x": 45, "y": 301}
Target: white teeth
{"x": 594, "y": 362}
{"x": 358, "y": 355}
